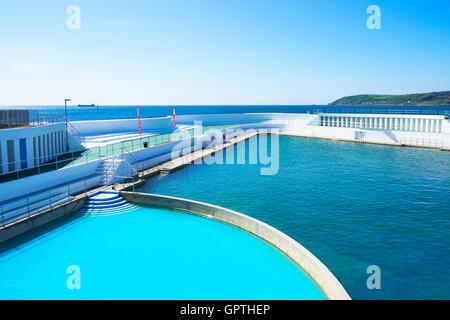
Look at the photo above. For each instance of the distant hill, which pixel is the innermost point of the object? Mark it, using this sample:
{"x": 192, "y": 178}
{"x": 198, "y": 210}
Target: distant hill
{"x": 441, "y": 98}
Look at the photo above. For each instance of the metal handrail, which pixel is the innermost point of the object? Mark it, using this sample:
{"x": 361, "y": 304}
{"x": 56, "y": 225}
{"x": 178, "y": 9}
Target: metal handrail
{"x": 42, "y": 161}
{"x": 21, "y": 203}
{"x": 33, "y": 122}
{"x": 74, "y": 132}
{"x": 122, "y": 177}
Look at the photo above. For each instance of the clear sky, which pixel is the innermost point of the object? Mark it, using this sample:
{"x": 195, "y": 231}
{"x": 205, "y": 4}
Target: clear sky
{"x": 168, "y": 52}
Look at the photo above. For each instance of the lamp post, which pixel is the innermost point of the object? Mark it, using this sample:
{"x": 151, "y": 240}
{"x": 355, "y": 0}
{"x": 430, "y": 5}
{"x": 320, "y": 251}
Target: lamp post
{"x": 67, "y": 128}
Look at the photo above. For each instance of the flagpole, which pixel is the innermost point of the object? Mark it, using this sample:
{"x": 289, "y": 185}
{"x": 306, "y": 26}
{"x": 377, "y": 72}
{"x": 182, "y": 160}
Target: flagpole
{"x": 139, "y": 121}
{"x": 174, "y": 117}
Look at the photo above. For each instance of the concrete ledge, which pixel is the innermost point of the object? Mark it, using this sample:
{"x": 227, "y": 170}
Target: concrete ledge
{"x": 329, "y": 285}
{"x": 37, "y": 220}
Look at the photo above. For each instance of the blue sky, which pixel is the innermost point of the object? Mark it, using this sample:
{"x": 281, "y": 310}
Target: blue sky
{"x": 168, "y": 52}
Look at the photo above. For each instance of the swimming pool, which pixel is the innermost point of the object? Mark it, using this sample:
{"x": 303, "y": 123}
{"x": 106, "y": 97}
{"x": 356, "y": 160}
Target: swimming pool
{"x": 147, "y": 253}
{"x": 352, "y": 205}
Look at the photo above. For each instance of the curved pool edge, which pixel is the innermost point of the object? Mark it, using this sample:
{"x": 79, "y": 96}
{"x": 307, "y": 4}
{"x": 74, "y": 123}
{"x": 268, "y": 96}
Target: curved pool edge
{"x": 314, "y": 268}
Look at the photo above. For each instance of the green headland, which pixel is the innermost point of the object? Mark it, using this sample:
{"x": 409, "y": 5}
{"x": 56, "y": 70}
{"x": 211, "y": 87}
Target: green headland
{"x": 441, "y": 98}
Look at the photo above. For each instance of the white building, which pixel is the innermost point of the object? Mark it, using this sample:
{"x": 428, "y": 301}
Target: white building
{"x": 26, "y": 147}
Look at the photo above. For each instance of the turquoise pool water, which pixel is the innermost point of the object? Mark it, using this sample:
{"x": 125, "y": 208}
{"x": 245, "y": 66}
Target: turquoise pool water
{"x": 352, "y": 205}
{"x": 148, "y": 253}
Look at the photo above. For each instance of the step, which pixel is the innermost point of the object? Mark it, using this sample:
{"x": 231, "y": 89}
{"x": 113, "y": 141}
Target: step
{"x": 104, "y": 201}
{"x": 103, "y": 194}
{"x": 101, "y": 206}
{"x": 111, "y": 211}
{"x": 110, "y": 198}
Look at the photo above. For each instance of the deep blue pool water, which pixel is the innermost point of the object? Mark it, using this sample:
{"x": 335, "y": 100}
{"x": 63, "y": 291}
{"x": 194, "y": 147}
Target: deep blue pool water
{"x": 352, "y": 205}
{"x": 148, "y": 253}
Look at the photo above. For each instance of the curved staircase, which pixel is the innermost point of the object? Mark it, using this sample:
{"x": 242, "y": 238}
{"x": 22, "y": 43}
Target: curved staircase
{"x": 107, "y": 203}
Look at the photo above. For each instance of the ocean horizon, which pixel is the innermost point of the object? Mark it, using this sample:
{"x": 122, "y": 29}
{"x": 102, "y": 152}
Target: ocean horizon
{"x": 105, "y": 112}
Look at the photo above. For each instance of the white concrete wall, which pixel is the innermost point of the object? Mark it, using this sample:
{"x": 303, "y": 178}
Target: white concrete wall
{"x": 74, "y": 144}
{"x": 159, "y": 125}
{"x": 16, "y": 188}
{"x": 446, "y": 126}
{"x": 99, "y": 127}
{"x": 421, "y": 139}
{"x": 242, "y": 118}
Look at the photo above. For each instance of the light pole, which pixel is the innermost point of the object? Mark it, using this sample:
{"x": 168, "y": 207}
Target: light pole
{"x": 67, "y": 128}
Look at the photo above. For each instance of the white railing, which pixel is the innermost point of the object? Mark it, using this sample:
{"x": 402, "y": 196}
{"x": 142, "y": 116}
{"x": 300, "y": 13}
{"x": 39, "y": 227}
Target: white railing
{"x": 74, "y": 133}
{"x": 382, "y": 124}
{"x": 123, "y": 181}
{"x": 29, "y": 206}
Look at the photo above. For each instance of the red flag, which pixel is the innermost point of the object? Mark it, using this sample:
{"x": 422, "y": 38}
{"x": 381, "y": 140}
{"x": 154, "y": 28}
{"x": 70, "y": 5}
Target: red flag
{"x": 139, "y": 120}
{"x": 174, "y": 117}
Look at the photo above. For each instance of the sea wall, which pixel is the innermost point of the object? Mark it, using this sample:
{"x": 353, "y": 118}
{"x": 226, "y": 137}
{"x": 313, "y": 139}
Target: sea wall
{"x": 241, "y": 118}
{"x": 398, "y": 138}
{"x": 329, "y": 285}
{"x": 160, "y": 125}
{"x": 99, "y": 127}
